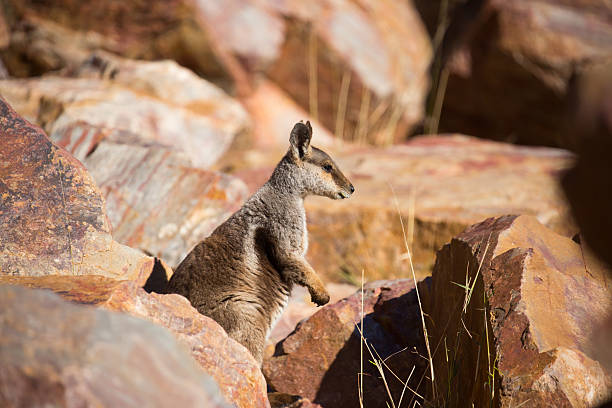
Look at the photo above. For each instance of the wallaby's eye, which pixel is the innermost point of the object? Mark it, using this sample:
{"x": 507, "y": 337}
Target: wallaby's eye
{"x": 327, "y": 167}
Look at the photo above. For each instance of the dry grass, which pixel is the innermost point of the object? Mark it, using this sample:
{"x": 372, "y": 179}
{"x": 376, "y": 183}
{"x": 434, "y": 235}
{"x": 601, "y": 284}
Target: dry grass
{"x": 439, "y": 394}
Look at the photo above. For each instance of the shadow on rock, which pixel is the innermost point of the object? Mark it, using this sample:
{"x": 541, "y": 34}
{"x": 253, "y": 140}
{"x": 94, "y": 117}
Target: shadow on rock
{"x": 321, "y": 360}
{"x": 158, "y": 280}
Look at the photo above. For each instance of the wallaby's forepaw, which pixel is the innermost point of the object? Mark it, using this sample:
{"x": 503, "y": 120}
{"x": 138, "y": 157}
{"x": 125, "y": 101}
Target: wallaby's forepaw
{"x": 320, "y": 298}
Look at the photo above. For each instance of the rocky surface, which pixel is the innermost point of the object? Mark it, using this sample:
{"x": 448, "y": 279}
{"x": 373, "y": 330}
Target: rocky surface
{"x": 155, "y": 199}
{"x": 158, "y": 101}
{"x": 506, "y": 86}
{"x": 52, "y": 214}
{"x": 441, "y": 184}
{"x": 148, "y": 158}
{"x": 53, "y": 353}
{"x": 530, "y": 343}
{"x": 347, "y": 62}
{"x": 300, "y": 306}
{"x": 227, "y": 362}
{"x": 59, "y": 34}
{"x": 320, "y": 360}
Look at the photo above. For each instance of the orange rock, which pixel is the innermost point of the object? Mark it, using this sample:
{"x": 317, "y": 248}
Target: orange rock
{"x": 54, "y": 353}
{"x": 506, "y": 86}
{"x": 439, "y": 185}
{"x": 522, "y": 331}
{"x": 156, "y": 199}
{"x": 147, "y": 137}
{"x": 360, "y": 66}
{"x": 52, "y": 214}
{"x": 320, "y": 360}
{"x": 227, "y": 362}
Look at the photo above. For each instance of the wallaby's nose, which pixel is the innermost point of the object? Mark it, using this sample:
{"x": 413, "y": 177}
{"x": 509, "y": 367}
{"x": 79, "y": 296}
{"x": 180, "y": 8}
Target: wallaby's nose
{"x": 352, "y": 189}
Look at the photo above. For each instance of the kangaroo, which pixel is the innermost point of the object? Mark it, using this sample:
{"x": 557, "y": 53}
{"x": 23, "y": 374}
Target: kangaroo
{"x": 242, "y": 274}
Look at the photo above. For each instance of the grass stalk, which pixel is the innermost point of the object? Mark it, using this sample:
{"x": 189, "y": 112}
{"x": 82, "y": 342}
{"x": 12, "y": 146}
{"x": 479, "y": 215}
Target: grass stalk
{"x": 364, "y": 108}
{"x": 416, "y": 288}
{"x": 342, "y": 103}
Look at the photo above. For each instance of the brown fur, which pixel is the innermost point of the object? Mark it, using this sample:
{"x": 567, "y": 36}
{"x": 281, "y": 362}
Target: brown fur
{"x": 243, "y": 273}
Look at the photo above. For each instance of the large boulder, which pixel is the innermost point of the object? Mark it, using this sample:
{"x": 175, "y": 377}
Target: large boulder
{"x": 439, "y": 184}
{"x": 59, "y": 34}
{"x": 511, "y": 313}
{"x": 159, "y": 101}
{"x": 321, "y": 359}
{"x": 146, "y": 131}
{"x": 231, "y": 366}
{"x": 360, "y": 66}
{"x": 52, "y": 214}
{"x": 54, "y": 353}
{"x": 503, "y": 84}
{"x": 156, "y": 200}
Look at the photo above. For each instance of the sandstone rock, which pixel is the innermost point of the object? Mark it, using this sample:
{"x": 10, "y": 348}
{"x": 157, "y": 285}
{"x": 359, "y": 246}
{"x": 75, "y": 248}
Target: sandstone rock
{"x": 300, "y": 307}
{"x": 53, "y": 353}
{"x": 51, "y": 213}
{"x": 359, "y": 66}
{"x": 229, "y": 363}
{"x": 348, "y": 62}
{"x": 521, "y": 333}
{"x": 442, "y": 184}
{"x": 506, "y": 86}
{"x": 155, "y": 199}
{"x": 145, "y": 136}
{"x": 159, "y": 101}
{"x": 58, "y": 34}
{"x": 320, "y": 360}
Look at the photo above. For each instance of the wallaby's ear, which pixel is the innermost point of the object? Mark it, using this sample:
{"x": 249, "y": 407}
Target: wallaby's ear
{"x": 300, "y": 139}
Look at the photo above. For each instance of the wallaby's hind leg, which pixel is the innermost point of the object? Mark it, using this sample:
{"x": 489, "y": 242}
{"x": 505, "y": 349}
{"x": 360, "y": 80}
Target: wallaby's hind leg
{"x": 246, "y": 331}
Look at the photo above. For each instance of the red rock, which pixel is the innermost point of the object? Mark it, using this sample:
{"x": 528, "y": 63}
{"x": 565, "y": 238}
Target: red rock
{"x": 59, "y": 34}
{"x": 227, "y": 362}
{"x": 52, "y": 215}
{"x": 320, "y": 360}
{"x": 300, "y": 307}
{"x": 359, "y": 43}
{"x": 53, "y": 353}
{"x": 533, "y": 334}
{"x": 155, "y": 199}
{"x": 159, "y": 101}
{"x": 506, "y": 86}
{"x": 350, "y": 64}
{"x": 145, "y": 146}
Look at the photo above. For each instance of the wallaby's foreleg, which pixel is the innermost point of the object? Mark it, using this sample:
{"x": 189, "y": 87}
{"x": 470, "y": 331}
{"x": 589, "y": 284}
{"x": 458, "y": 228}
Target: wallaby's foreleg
{"x": 298, "y": 270}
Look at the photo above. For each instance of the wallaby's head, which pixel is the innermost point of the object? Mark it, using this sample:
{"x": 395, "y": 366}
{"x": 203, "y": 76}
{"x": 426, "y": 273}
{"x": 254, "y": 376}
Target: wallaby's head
{"x": 318, "y": 174}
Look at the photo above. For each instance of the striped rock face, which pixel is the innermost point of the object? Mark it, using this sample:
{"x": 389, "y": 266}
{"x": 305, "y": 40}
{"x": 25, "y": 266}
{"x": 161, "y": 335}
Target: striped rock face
{"x": 54, "y": 353}
{"x": 156, "y": 200}
{"x": 52, "y": 214}
{"x": 231, "y": 366}
{"x": 148, "y": 137}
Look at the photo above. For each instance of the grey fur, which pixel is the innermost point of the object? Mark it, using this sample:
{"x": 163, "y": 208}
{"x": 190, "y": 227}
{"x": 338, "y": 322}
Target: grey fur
{"x": 243, "y": 273}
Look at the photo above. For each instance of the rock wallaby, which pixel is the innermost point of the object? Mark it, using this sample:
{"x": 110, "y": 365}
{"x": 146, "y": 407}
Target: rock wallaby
{"x": 243, "y": 273}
